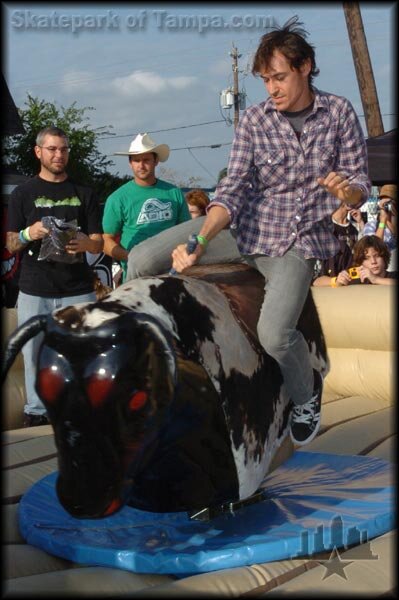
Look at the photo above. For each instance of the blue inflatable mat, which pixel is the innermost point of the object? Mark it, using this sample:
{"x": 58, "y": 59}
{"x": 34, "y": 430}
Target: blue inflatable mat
{"x": 312, "y": 503}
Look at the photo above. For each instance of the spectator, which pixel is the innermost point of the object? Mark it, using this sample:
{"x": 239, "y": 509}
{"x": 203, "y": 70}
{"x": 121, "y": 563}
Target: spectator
{"x": 385, "y": 226}
{"x": 101, "y": 265}
{"x": 343, "y": 228}
{"x": 346, "y": 234}
{"x": 197, "y": 202}
{"x": 355, "y": 216}
{"x": 46, "y": 285}
{"x": 10, "y": 267}
{"x": 371, "y": 257}
{"x": 145, "y": 205}
{"x": 294, "y": 159}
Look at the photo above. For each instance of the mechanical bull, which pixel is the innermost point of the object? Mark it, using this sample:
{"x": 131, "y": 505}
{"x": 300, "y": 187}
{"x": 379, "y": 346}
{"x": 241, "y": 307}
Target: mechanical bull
{"x": 160, "y": 395}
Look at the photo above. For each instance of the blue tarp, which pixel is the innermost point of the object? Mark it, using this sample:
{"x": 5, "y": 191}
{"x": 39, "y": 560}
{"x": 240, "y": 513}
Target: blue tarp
{"x": 312, "y": 503}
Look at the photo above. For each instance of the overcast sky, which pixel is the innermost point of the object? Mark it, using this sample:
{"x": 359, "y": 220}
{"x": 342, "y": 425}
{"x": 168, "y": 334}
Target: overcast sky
{"x": 153, "y": 67}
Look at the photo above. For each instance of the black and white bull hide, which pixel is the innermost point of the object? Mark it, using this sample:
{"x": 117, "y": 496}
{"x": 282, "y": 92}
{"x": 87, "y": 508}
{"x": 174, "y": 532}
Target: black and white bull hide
{"x": 160, "y": 395}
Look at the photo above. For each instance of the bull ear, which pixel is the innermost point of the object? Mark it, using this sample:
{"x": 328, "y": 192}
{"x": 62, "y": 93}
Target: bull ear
{"x": 159, "y": 334}
{"x": 164, "y": 339}
{"x": 18, "y": 339}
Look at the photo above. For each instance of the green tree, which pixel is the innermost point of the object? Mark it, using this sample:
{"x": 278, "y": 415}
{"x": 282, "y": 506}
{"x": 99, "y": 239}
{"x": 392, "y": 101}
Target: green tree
{"x": 106, "y": 183}
{"x": 86, "y": 164}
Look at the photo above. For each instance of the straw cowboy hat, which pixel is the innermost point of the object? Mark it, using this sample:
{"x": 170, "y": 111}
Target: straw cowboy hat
{"x": 144, "y": 143}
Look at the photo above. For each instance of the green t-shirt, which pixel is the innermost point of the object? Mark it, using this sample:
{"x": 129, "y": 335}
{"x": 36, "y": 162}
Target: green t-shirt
{"x": 138, "y": 212}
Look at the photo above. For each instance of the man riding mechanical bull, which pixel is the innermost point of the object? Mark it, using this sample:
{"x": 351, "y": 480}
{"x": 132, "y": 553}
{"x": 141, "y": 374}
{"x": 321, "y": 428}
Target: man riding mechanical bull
{"x": 174, "y": 392}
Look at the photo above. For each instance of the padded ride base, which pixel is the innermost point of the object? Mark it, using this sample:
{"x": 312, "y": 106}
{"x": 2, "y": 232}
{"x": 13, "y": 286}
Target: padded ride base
{"x": 312, "y": 503}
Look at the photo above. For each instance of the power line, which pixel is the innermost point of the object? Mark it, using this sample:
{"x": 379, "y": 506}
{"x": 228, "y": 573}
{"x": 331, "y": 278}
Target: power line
{"x": 34, "y": 81}
{"x": 383, "y": 115}
{"x": 201, "y": 165}
{"x": 211, "y": 146}
{"x": 114, "y": 137}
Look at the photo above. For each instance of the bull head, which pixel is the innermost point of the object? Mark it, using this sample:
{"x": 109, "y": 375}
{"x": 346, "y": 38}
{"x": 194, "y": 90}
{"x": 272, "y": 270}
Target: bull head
{"x": 106, "y": 390}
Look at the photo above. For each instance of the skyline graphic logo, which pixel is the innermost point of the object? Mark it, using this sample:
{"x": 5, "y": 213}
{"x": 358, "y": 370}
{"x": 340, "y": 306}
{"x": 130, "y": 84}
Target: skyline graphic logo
{"x": 332, "y": 539}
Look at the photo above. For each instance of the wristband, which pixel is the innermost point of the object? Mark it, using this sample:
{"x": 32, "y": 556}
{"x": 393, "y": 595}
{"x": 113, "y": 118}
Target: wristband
{"x": 22, "y": 237}
{"x": 202, "y": 240}
{"x": 333, "y": 282}
{"x": 381, "y": 225}
{"x": 26, "y": 234}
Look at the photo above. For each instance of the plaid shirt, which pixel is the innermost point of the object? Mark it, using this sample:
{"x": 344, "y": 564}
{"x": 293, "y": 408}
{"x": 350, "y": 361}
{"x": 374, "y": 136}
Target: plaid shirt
{"x": 271, "y": 191}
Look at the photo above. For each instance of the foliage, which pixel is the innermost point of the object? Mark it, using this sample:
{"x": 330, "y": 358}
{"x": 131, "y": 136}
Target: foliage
{"x": 106, "y": 183}
{"x": 86, "y": 164}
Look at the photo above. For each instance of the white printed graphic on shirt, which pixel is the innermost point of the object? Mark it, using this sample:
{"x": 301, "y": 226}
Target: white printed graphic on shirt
{"x": 154, "y": 210}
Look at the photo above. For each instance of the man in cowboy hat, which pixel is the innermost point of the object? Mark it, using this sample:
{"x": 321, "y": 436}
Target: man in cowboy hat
{"x": 145, "y": 205}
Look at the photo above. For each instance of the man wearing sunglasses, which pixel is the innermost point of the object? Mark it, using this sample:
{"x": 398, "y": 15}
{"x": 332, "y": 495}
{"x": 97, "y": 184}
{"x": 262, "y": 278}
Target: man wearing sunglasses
{"x": 66, "y": 278}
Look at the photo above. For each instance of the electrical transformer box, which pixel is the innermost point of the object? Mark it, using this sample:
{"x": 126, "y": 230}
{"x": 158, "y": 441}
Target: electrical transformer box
{"x": 226, "y": 99}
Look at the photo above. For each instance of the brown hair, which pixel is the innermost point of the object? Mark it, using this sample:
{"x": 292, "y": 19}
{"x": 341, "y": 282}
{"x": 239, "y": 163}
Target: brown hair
{"x": 290, "y": 41}
{"x": 370, "y": 241}
{"x": 197, "y": 198}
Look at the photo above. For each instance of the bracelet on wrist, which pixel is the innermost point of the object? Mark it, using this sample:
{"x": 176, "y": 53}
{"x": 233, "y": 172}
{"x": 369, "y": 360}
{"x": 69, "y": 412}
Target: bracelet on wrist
{"x": 22, "y": 238}
{"x": 381, "y": 225}
{"x": 202, "y": 240}
{"x": 333, "y": 282}
{"x": 26, "y": 234}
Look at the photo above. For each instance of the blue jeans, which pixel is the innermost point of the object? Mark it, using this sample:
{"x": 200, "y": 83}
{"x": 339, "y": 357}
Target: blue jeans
{"x": 153, "y": 256}
{"x": 288, "y": 280}
{"x": 29, "y": 306}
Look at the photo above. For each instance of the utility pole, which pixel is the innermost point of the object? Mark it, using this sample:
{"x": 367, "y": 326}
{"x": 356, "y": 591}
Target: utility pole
{"x": 364, "y": 70}
{"x": 234, "y": 54}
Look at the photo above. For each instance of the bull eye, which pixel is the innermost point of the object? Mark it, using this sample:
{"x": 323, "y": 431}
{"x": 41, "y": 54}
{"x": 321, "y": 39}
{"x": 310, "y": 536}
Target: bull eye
{"x": 98, "y": 387}
{"x": 138, "y": 400}
{"x": 53, "y": 375}
{"x": 50, "y": 383}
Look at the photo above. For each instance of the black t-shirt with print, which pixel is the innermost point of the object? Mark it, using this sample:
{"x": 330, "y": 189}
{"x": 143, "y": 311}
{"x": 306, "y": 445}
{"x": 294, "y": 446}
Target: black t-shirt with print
{"x": 29, "y": 203}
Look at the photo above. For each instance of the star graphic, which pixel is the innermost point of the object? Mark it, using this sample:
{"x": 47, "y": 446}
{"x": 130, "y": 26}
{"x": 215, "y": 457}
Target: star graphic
{"x": 335, "y": 567}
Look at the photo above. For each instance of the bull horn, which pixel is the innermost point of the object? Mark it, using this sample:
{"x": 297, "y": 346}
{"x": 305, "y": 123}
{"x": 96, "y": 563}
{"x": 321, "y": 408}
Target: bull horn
{"x": 18, "y": 339}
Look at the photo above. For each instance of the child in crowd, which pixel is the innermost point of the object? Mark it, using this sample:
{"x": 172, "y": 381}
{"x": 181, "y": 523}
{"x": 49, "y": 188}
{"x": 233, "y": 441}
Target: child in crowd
{"x": 371, "y": 257}
{"x": 197, "y": 201}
